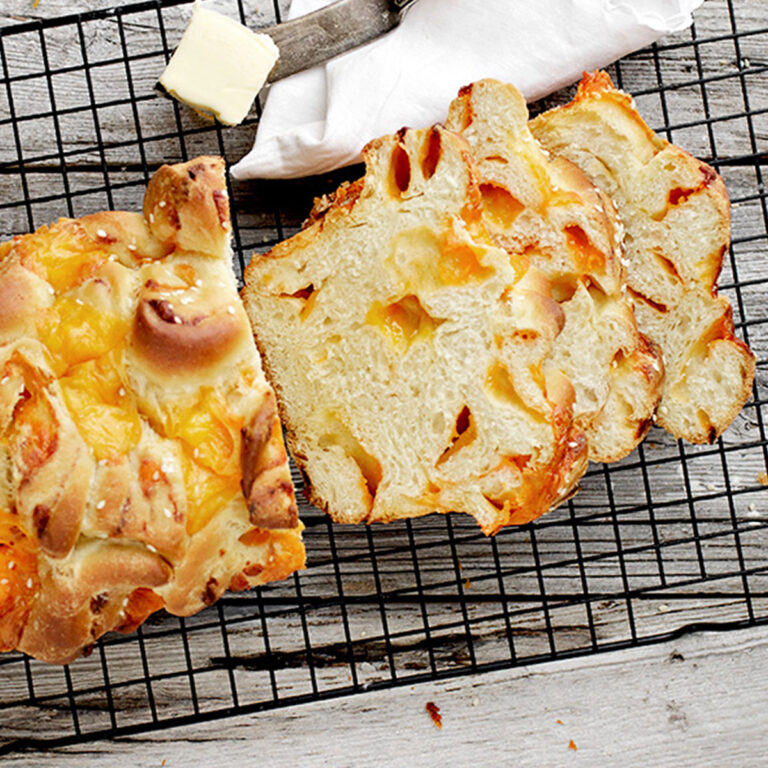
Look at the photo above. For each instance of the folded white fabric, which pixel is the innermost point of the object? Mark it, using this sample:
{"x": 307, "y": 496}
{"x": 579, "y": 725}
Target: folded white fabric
{"x": 319, "y": 120}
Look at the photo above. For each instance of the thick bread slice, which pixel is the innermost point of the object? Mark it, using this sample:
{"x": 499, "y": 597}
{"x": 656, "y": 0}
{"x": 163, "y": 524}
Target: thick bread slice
{"x": 409, "y": 354}
{"x": 676, "y": 213}
{"x": 546, "y": 208}
{"x": 141, "y": 458}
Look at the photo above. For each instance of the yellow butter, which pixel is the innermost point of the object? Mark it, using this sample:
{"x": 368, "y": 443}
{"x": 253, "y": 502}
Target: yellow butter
{"x": 219, "y": 66}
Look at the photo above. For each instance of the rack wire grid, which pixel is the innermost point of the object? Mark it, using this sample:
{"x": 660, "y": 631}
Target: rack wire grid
{"x": 673, "y": 538}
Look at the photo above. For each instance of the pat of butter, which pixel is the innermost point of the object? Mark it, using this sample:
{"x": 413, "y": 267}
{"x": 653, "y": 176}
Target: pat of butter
{"x": 219, "y": 66}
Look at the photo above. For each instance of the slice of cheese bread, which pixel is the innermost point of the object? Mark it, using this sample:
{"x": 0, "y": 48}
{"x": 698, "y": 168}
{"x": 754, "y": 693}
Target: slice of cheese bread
{"x": 141, "y": 457}
{"x": 676, "y": 214}
{"x": 410, "y": 355}
{"x": 545, "y": 207}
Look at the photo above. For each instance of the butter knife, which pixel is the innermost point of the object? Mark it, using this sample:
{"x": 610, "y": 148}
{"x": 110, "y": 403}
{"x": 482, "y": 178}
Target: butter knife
{"x": 314, "y": 38}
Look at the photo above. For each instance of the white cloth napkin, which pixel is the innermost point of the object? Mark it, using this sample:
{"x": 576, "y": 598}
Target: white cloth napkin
{"x": 320, "y": 119}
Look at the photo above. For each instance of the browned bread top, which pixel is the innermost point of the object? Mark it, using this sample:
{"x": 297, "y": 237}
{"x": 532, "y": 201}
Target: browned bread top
{"x": 141, "y": 459}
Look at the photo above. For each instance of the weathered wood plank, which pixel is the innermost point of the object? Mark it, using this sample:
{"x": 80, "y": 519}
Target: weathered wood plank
{"x": 684, "y": 533}
{"x": 678, "y": 705}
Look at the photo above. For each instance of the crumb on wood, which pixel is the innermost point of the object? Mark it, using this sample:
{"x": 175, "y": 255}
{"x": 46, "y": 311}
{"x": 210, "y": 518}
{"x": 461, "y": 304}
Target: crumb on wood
{"x": 434, "y": 713}
{"x": 572, "y": 745}
{"x": 762, "y": 478}
{"x": 467, "y": 584}
{"x": 559, "y": 722}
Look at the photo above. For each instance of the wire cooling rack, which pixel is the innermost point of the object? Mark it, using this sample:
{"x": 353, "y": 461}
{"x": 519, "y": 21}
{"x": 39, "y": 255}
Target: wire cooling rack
{"x": 674, "y": 537}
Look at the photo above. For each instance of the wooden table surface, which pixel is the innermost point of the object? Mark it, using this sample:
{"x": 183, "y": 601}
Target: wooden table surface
{"x": 700, "y": 700}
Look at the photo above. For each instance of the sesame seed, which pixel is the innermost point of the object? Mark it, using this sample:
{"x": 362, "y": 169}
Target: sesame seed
{"x": 177, "y": 319}
{"x": 101, "y": 504}
{"x": 663, "y": 608}
{"x": 101, "y": 233}
{"x": 711, "y": 486}
{"x": 12, "y": 564}
{"x": 196, "y": 452}
{"x": 231, "y": 309}
{"x": 3, "y": 581}
{"x": 663, "y": 410}
{"x": 161, "y": 204}
{"x": 79, "y": 302}
{"x": 29, "y": 583}
{"x": 155, "y": 475}
{"x": 573, "y": 444}
{"x": 751, "y": 507}
{"x": 151, "y": 548}
{"x": 151, "y": 218}
{"x": 199, "y": 283}
{"x": 131, "y": 247}
{"x": 167, "y": 512}
{"x": 121, "y": 392}
{"x": 5, "y": 379}
{"x": 50, "y": 290}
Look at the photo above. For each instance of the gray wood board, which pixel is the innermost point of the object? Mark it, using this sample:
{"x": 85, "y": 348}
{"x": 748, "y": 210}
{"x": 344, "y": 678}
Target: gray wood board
{"x": 582, "y": 546}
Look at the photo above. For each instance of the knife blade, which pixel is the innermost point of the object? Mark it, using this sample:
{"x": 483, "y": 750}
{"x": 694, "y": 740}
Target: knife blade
{"x": 314, "y": 38}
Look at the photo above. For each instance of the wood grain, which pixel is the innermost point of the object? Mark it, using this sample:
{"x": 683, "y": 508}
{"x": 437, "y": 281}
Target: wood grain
{"x": 434, "y": 594}
{"x": 695, "y": 702}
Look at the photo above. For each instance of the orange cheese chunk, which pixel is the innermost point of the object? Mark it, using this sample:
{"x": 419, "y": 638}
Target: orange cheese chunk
{"x": 74, "y": 332}
{"x": 105, "y": 415}
{"x": 19, "y": 582}
{"x": 63, "y": 254}
{"x": 459, "y": 261}
{"x": 207, "y": 492}
{"x": 210, "y": 432}
{"x": 501, "y": 208}
{"x": 402, "y": 321}
{"x": 588, "y": 258}
{"x": 284, "y": 553}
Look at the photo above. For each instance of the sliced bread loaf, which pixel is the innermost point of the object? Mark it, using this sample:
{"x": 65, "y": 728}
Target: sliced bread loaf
{"x": 676, "y": 213}
{"x": 544, "y": 207}
{"x": 410, "y": 355}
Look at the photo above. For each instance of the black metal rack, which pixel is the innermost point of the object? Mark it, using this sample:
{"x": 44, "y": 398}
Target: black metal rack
{"x": 671, "y": 539}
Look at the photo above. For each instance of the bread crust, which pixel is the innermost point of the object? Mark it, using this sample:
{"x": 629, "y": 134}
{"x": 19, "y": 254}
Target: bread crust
{"x": 677, "y": 213}
{"x": 141, "y": 457}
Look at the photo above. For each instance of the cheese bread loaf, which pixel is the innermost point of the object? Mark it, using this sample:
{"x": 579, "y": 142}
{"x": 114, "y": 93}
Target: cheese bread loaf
{"x": 544, "y": 207}
{"x": 410, "y": 355}
{"x": 141, "y": 457}
{"x": 676, "y": 213}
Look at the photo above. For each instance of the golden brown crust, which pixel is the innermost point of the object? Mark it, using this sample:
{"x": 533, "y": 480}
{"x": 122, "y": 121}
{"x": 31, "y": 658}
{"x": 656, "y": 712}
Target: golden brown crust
{"x": 129, "y": 392}
{"x": 187, "y": 206}
{"x": 174, "y": 344}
